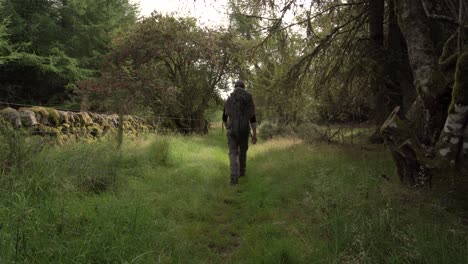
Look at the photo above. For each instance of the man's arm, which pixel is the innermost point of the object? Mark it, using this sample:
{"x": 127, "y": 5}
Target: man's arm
{"x": 225, "y": 118}
{"x": 253, "y": 125}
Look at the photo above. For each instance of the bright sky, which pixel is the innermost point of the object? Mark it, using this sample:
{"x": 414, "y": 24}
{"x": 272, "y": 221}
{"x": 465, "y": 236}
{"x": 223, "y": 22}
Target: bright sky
{"x": 209, "y": 12}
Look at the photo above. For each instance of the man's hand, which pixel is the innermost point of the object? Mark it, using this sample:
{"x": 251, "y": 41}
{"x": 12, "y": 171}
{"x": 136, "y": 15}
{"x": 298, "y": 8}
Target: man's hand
{"x": 254, "y": 140}
{"x": 254, "y": 133}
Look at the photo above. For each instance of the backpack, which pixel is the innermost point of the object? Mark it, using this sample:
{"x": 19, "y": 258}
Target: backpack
{"x": 240, "y": 109}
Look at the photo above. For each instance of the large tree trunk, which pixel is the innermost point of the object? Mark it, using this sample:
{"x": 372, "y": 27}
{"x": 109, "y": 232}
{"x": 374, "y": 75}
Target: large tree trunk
{"x": 445, "y": 137}
{"x": 377, "y": 54}
{"x": 376, "y": 33}
{"x": 453, "y": 143}
{"x": 376, "y": 19}
{"x": 429, "y": 81}
{"x": 415, "y": 162}
{"x": 399, "y": 79}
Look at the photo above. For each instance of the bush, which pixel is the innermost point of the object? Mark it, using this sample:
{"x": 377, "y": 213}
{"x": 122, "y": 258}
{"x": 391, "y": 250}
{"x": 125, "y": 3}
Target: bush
{"x": 268, "y": 130}
{"x": 311, "y": 133}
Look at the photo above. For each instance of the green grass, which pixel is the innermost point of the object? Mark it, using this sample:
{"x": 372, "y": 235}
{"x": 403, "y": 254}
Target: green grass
{"x": 166, "y": 199}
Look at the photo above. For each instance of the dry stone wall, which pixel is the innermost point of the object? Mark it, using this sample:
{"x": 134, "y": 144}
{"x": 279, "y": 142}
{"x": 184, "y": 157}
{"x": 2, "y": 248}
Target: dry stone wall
{"x": 66, "y": 125}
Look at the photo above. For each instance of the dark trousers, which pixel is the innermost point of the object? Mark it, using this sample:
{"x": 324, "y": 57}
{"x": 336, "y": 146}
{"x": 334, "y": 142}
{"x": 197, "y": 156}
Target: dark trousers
{"x": 238, "y": 147}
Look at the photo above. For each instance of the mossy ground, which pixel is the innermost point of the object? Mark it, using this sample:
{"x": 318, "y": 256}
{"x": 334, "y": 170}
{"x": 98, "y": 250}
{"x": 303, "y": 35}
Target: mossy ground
{"x": 167, "y": 200}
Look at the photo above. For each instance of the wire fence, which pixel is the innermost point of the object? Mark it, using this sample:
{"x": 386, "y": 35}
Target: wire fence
{"x": 162, "y": 131}
{"x": 16, "y": 105}
{"x": 156, "y": 122}
{"x": 157, "y": 125}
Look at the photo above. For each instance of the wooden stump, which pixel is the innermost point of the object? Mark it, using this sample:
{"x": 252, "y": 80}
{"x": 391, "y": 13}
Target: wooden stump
{"x": 411, "y": 158}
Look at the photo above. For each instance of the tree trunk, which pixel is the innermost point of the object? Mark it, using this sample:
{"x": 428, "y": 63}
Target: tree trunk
{"x": 376, "y": 19}
{"x": 414, "y": 161}
{"x": 376, "y": 33}
{"x": 408, "y": 154}
{"x": 399, "y": 79}
{"x": 377, "y": 83}
{"x": 431, "y": 85}
{"x": 452, "y": 146}
{"x": 461, "y": 28}
{"x": 445, "y": 137}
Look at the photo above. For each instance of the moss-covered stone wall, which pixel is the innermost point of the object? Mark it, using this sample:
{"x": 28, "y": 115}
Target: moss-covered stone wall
{"x": 65, "y": 125}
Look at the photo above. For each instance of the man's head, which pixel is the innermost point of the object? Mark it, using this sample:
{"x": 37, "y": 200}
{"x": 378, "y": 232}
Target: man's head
{"x": 240, "y": 84}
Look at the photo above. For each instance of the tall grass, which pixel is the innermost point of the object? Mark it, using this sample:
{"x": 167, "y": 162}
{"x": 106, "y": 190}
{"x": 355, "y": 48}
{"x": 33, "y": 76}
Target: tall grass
{"x": 47, "y": 195}
{"x": 166, "y": 199}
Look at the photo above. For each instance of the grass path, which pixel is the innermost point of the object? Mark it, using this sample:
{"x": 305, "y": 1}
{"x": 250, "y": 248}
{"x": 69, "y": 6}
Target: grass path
{"x": 297, "y": 204}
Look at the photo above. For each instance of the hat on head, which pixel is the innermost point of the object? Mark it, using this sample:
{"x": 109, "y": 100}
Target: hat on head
{"x": 240, "y": 84}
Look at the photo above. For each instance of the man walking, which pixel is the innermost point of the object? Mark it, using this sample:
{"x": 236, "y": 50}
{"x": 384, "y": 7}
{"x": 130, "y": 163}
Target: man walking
{"x": 239, "y": 117}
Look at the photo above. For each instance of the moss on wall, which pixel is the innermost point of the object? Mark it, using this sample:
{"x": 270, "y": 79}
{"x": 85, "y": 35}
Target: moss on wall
{"x": 66, "y": 126}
